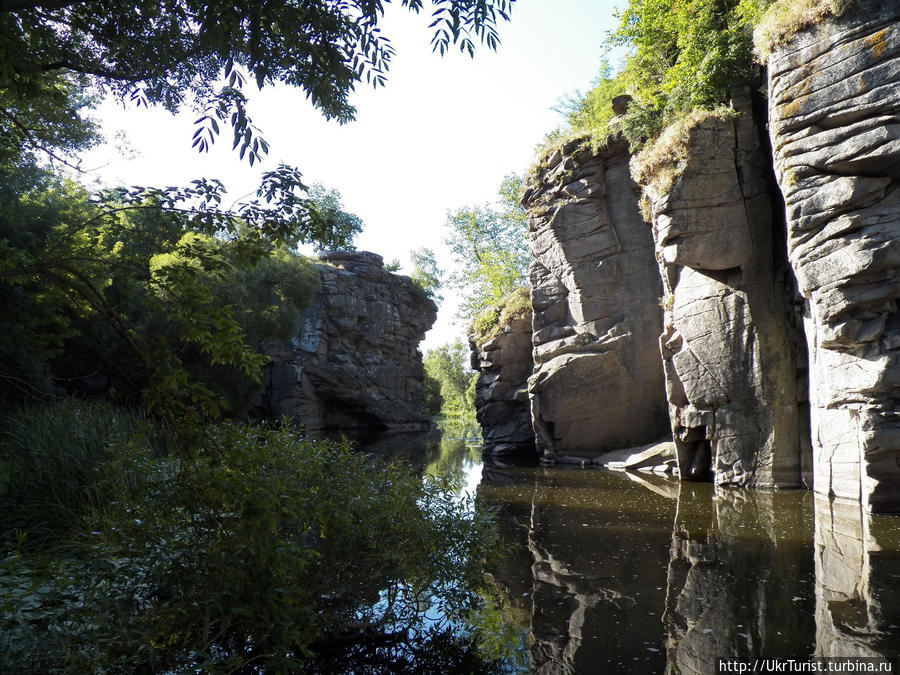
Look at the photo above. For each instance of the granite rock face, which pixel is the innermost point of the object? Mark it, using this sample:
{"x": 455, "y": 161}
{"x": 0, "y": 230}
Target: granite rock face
{"x": 728, "y": 347}
{"x": 597, "y": 382}
{"x": 835, "y": 128}
{"x": 501, "y": 400}
{"x": 354, "y": 363}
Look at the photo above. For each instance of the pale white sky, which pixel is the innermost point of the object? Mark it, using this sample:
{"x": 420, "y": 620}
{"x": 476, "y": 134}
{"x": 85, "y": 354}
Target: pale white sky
{"x": 441, "y": 135}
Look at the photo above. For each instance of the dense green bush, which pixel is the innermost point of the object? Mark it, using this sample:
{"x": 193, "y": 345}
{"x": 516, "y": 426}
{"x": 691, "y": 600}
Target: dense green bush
{"x": 269, "y": 552}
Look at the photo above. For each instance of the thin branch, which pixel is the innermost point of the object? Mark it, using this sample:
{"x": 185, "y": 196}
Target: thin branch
{"x": 25, "y": 131}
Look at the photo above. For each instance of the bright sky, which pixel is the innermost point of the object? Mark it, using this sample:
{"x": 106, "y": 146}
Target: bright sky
{"x": 441, "y": 135}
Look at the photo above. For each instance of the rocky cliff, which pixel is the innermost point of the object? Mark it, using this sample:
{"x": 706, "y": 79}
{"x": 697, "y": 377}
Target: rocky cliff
{"x": 354, "y": 363}
{"x": 727, "y": 346}
{"x": 835, "y": 128}
{"x": 503, "y": 362}
{"x": 597, "y": 382}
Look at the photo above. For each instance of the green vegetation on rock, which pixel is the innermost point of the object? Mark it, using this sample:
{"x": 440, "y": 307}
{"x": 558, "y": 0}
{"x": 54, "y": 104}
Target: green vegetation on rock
{"x": 682, "y": 55}
{"x": 786, "y": 17}
{"x": 490, "y": 323}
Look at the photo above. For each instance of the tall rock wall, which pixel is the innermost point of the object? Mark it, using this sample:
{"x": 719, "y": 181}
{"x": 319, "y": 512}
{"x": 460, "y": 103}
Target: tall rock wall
{"x": 835, "y": 127}
{"x": 597, "y": 381}
{"x": 727, "y": 345}
{"x": 354, "y": 363}
{"x": 503, "y": 362}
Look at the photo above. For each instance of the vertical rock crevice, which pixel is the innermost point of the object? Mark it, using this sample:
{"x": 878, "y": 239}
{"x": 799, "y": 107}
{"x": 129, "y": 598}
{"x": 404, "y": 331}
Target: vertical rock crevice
{"x": 728, "y": 349}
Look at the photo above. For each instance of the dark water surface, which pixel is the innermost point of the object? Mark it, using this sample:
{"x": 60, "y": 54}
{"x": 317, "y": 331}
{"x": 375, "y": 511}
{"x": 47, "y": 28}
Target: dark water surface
{"x": 614, "y": 572}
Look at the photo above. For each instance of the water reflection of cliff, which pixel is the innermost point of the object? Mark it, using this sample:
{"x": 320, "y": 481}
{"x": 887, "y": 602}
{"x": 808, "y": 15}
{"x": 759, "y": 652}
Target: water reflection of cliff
{"x": 857, "y": 581}
{"x": 588, "y": 572}
{"x": 602, "y": 581}
{"x": 740, "y": 578}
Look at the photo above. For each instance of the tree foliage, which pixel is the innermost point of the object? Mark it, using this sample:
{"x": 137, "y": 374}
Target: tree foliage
{"x": 426, "y": 273}
{"x": 682, "y": 55}
{"x": 490, "y": 246}
{"x": 201, "y": 53}
{"x": 270, "y": 553}
{"x": 449, "y": 381}
{"x": 151, "y": 294}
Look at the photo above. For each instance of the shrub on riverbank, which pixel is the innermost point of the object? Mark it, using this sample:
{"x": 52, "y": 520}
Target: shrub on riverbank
{"x": 266, "y": 551}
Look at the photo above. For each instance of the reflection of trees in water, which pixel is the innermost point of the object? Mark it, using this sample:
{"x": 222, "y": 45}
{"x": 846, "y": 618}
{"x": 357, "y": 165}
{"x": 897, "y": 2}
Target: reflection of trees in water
{"x": 446, "y": 451}
{"x": 454, "y": 449}
{"x": 739, "y": 578}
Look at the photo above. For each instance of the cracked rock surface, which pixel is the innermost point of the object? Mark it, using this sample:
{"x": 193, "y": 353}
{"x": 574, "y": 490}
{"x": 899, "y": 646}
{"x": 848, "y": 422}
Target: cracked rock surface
{"x": 728, "y": 347}
{"x": 355, "y": 361}
{"x": 597, "y": 382}
{"x": 501, "y": 401}
{"x": 835, "y": 127}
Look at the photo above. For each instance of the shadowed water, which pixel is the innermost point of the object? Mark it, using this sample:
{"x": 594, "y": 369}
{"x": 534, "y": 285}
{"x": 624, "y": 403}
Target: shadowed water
{"x": 614, "y": 572}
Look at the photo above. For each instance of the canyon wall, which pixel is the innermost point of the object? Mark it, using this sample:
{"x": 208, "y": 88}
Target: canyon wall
{"x": 354, "y": 363}
{"x": 778, "y": 313}
{"x": 835, "y": 127}
{"x": 503, "y": 362}
{"x": 597, "y": 382}
{"x": 727, "y": 346}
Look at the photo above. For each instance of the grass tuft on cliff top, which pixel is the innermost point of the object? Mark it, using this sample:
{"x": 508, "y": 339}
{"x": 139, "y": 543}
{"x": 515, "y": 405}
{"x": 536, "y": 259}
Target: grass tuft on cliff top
{"x": 787, "y": 17}
{"x": 661, "y": 162}
{"x": 515, "y": 305}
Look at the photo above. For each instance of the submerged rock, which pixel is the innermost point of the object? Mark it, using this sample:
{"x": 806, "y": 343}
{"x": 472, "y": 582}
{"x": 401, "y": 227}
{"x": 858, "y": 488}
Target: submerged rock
{"x": 835, "y": 127}
{"x": 597, "y": 382}
{"x": 355, "y": 362}
{"x": 727, "y": 347}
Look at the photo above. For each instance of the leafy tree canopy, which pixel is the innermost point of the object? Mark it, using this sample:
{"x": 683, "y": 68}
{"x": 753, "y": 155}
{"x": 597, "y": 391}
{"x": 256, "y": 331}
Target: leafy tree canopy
{"x": 682, "y": 55}
{"x": 426, "y": 274}
{"x": 449, "y": 382}
{"x": 490, "y": 245}
{"x": 183, "y": 51}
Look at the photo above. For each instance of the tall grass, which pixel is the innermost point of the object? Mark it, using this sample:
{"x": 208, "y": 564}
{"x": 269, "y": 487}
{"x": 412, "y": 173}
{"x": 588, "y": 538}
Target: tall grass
{"x": 60, "y": 461}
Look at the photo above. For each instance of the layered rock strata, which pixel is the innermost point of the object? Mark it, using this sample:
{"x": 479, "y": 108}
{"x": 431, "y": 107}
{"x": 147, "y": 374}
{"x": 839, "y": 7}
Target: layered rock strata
{"x": 501, "y": 401}
{"x": 354, "y": 363}
{"x": 727, "y": 347}
{"x": 597, "y": 382}
{"x": 835, "y": 127}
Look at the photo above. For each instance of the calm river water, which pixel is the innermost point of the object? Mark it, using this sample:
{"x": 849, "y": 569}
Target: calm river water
{"x": 614, "y": 572}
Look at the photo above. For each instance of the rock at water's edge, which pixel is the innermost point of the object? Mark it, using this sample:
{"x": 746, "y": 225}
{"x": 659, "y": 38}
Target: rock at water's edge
{"x": 597, "y": 382}
{"x": 834, "y": 119}
{"x": 355, "y": 362}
